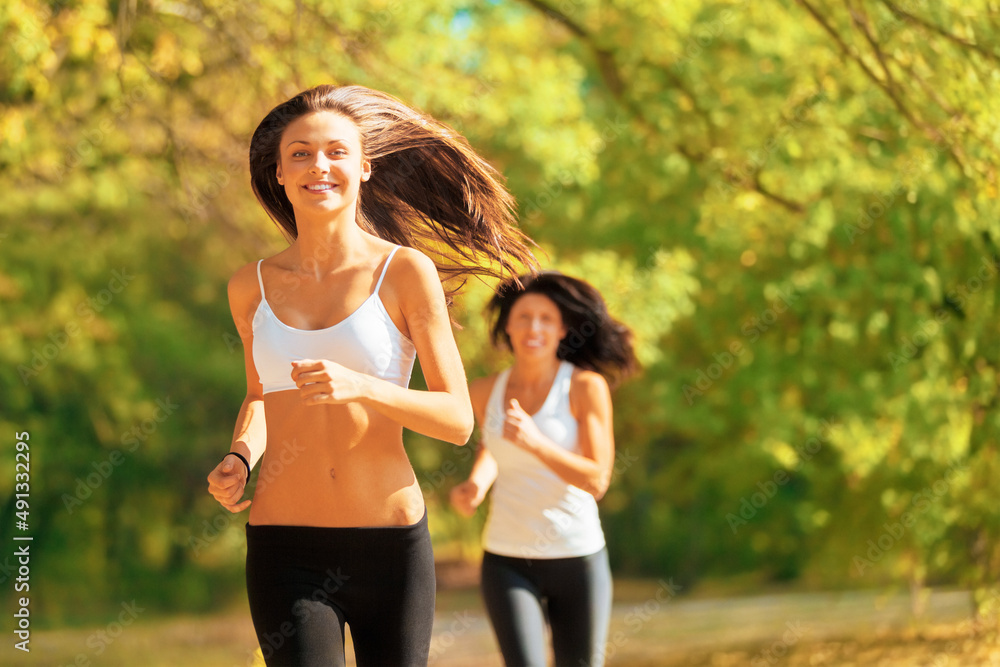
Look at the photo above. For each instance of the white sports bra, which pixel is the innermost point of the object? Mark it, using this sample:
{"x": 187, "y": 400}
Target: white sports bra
{"x": 366, "y": 341}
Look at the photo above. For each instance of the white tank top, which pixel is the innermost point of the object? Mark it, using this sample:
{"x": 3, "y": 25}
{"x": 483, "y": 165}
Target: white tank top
{"x": 534, "y": 513}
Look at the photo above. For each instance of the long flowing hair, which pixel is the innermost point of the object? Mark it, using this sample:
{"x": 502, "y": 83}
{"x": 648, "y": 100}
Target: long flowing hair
{"x": 594, "y": 340}
{"x": 428, "y": 188}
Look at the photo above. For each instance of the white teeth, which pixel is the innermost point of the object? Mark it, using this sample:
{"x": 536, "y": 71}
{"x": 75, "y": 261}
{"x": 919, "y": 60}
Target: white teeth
{"x": 319, "y": 186}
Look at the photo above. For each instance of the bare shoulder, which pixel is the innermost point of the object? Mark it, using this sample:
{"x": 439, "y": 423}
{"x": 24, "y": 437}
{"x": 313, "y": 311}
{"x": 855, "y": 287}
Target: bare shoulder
{"x": 244, "y": 295}
{"x": 410, "y": 266}
{"x": 479, "y": 392}
{"x": 481, "y": 387}
{"x": 243, "y": 286}
{"x": 589, "y": 388}
{"x": 414, "y": 288}
{"x": 412, "y": 294}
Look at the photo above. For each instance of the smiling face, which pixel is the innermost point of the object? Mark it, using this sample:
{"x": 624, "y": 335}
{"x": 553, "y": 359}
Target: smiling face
{"x": 321, "y": 165}
{"x": 535, "y": 326}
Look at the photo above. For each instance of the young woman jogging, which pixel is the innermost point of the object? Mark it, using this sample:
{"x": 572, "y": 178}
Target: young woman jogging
{"x": 360, "y": 183}
{"x": 547, "y": 451}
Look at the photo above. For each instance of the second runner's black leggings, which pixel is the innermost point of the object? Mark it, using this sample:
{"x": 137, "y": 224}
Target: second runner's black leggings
{"x": 573, "y": 593}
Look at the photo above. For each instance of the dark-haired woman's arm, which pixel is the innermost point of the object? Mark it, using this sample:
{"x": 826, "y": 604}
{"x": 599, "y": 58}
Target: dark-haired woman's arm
{"x": 590, "y": 402}
{"x": 469, "y": 494}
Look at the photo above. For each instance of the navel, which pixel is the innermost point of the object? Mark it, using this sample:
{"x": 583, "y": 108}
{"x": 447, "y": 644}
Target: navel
{"x": 333, "y": 474}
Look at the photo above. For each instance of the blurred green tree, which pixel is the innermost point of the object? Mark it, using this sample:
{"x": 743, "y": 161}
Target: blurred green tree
{"x": 793, "y": 204}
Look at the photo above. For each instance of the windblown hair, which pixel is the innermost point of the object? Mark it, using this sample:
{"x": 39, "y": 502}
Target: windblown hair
{"x": 594, "y": 340}
{"x": 428, "y": 188}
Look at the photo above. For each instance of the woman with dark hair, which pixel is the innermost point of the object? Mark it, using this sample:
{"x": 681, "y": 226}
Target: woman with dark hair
{"x": 365, "y": 188}
{"x": 547, "y": 450}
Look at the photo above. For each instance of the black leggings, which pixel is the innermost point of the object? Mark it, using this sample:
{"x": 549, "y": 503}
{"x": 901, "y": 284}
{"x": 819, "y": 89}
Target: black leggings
{"x": 575, "y": 595}
{"x": 304, "y": 583}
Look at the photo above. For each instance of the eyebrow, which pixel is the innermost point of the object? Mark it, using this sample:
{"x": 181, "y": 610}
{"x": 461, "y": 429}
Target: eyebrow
{"x": 307, "y": 143}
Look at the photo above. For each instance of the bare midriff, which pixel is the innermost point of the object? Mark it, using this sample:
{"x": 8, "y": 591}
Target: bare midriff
{"x": 333, "y": 466}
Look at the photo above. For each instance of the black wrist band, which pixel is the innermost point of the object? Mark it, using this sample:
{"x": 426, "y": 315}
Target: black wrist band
{"x": 242, "y": 458}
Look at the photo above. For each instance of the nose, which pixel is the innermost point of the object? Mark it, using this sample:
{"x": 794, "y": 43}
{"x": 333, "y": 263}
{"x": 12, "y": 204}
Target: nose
{"x": 320, "y": 164}
{"x": 535, "y": 325}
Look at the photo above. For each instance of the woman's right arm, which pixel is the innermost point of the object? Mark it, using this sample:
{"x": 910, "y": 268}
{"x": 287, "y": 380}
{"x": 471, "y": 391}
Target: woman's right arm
{"x": 228, "y": 480}
{"x": 468, "y": 495}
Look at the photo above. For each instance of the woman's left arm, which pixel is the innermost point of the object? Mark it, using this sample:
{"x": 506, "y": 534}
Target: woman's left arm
{"x": 590, "y": 402}
{"x": 444, "y": 411}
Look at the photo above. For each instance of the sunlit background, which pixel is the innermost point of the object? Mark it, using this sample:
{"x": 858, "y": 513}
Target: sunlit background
{"x": 792, "y": 203}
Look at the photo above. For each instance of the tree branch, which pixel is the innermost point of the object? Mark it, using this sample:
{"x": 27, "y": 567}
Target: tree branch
{"x": 927, "y": 25}
{"x": 792, "y": 206}
{"x": 930, "y": 130}
{"x": 860, "y": 19}
{"x": 861, "y": 63}
{"x": 610, "y": 74}
{"x": 605, "y": 59}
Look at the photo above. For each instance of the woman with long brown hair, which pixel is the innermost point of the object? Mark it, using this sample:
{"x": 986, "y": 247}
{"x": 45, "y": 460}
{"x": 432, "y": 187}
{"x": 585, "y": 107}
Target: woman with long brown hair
{"x": 367, "y": 190}
{"x": 547, "y": 452}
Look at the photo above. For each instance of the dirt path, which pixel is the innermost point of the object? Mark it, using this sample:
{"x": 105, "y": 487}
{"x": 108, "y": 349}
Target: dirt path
{"x": 651, "y": 625}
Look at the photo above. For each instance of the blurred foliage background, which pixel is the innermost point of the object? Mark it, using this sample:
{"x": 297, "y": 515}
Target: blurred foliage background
{"x": 793, "y": 203}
